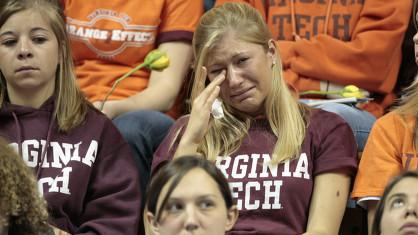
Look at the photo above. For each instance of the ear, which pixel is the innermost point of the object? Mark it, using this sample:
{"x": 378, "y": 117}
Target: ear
{"x": 272, "y": 50}
{"x": 232, "y": 216}
{"x": 151, "y": 226}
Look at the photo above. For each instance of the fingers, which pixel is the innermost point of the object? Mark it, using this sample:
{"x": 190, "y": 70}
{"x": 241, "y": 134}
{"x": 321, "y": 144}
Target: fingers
{"x": 208, "y": 91}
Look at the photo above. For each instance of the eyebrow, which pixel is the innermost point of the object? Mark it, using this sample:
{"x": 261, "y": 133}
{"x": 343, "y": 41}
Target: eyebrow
{"x": 199, "y": 197}
{"x": 237, "y": 54}
{"x": 31, "y": 31}
{"x": 396, "y": 195}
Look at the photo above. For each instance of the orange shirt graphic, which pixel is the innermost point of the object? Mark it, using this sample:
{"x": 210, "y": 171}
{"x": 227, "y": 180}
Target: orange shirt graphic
{"x": 109, "y": 38}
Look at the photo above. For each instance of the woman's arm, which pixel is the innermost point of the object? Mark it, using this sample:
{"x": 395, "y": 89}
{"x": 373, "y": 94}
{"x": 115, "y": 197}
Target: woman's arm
{"x": 371, "y": 211}
{"x": 199, "y": 116}
{"x": 163, "y": 86}
{"x": 328, "y": 203}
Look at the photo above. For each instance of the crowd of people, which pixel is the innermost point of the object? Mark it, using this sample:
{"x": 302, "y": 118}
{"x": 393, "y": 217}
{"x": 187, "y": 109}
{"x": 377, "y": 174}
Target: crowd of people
{"x": 81, "y": 155}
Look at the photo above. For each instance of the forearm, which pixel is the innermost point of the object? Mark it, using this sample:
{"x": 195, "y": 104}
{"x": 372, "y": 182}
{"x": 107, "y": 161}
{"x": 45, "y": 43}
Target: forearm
{"x": 328, "y": 203}
{"x": 186, "y": 147}
{"x": 163, "y": 86}
{"x": 159, "y": 98}
{"x": 371, "y": 211}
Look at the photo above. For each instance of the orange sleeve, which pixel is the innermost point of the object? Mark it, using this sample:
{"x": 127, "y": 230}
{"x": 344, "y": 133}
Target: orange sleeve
{"x": 381, "y": 159}
{"x": 179, "y": 19}
{"x": 370, "y": 60}
{"x": 257, "y": 4}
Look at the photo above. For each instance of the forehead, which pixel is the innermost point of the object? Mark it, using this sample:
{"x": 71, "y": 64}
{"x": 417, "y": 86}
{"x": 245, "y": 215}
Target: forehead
{"x": 196, "y": 181}
{"x": 26, "y": 20}
{"x": 229, "y": 46}
{"x": 407, "y": 186}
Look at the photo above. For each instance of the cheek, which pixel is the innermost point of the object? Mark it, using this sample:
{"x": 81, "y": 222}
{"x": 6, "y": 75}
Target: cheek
{"x": 224, "y": 92}
{"x": 216, "y": 222}
{"x": 390, "y": 222}
{"x": 171, "y": 225}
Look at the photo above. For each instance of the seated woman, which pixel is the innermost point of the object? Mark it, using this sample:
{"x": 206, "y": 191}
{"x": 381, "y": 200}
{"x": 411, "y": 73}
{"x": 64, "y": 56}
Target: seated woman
{"x": 22, "y": 211}
{"x": 391, "y": 148}
{"x": 288, "y": 166}
{"x": 190, "y": 195}
{"x": 397, "y": 212}
{"x": 84, "y": 168}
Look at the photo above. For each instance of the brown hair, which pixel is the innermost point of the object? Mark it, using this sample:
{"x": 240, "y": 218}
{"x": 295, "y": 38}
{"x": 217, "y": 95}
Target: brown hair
{"x": 376, "y": 230}
{"x": 175, "y": 171}
{"x": 70, "y": 105}
{"x": 22, "y": 208}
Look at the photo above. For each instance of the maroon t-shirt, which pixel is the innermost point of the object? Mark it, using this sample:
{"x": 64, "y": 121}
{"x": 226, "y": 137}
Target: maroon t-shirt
{"x": 275, "y": 199}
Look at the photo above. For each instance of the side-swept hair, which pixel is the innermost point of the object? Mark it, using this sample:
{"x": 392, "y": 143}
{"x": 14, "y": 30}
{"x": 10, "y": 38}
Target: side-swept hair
{"x": 287, "y": 118}
{"x": 21, "y": 205}
{"x": 70, "y": 105}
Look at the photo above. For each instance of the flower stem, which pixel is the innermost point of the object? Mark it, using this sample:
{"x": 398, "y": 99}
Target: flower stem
{"x": 138, "y": 67}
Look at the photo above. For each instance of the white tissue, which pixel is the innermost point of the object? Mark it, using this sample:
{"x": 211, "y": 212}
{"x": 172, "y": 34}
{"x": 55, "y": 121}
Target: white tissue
{"x": 217, "y": 110}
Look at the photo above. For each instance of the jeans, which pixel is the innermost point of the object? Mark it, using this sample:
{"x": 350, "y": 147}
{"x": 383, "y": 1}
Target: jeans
{"x": 359, "y": 120}
{"x": 144, "y": 130}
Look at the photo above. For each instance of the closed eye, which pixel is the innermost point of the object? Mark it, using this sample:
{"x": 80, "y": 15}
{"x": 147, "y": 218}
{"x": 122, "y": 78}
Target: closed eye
{"x": 39, "y": 40}
{"x": 9, "y": 42}
{"x": 242, "y": 60}
{"x": 215, "y": 71}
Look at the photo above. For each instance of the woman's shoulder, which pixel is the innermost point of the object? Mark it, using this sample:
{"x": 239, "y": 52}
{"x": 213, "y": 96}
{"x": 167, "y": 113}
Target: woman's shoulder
{"x": 396, "y": 121}
{"x": 319, "y": 117}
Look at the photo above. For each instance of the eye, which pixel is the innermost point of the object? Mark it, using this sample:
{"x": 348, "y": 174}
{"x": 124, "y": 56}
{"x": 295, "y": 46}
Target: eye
{"x": 9, "y": 42}
{"x": 206, "y": 204}
{"x": 242, "y": 60}
{"x": 173, "y": 207}
{"x": 39, "y": 40}
{"x": 397, "y": 203}
{"x": 215, "y": 71}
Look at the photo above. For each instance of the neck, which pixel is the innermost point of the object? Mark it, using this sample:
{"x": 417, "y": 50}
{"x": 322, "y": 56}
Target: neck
{"x": 29, "y": 98}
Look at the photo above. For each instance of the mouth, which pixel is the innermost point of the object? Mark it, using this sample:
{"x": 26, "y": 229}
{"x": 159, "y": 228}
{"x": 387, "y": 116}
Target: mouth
{"x": 24, "y": 69}
{"x": 409, "y": 228}
{"x": 242, "y": 94}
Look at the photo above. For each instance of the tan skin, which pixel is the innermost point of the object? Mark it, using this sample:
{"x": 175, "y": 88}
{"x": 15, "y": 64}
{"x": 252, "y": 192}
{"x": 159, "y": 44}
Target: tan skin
{"x": 330, "y": 190}
{"x": 163, "y": 86}
{"x": 191, "y": 211}
{"x": 26, "y": 39}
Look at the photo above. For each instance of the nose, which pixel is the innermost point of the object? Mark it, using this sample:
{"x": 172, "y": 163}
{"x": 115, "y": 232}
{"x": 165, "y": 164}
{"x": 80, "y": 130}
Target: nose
{"x": 25, "y": 50}
{"x": 191, "y": 223}
{"x": 411, "y": 213}
{"x": 233, "y": 77}
{"x": 411, "y": 210}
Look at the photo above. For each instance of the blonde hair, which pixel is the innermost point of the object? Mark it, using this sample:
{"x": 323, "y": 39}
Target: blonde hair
{"x": 70, "y": 105}
{"x": 21, "y": 205}
{"x": 408, "y": 105}
{"x": 287, "y": 118}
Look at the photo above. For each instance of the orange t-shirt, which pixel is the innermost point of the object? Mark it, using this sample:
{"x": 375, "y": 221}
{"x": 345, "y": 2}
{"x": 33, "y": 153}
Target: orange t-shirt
{"x": 389, "y": 151}
{"x": 109, "y": 38}
{"x": 342, "y": 42}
